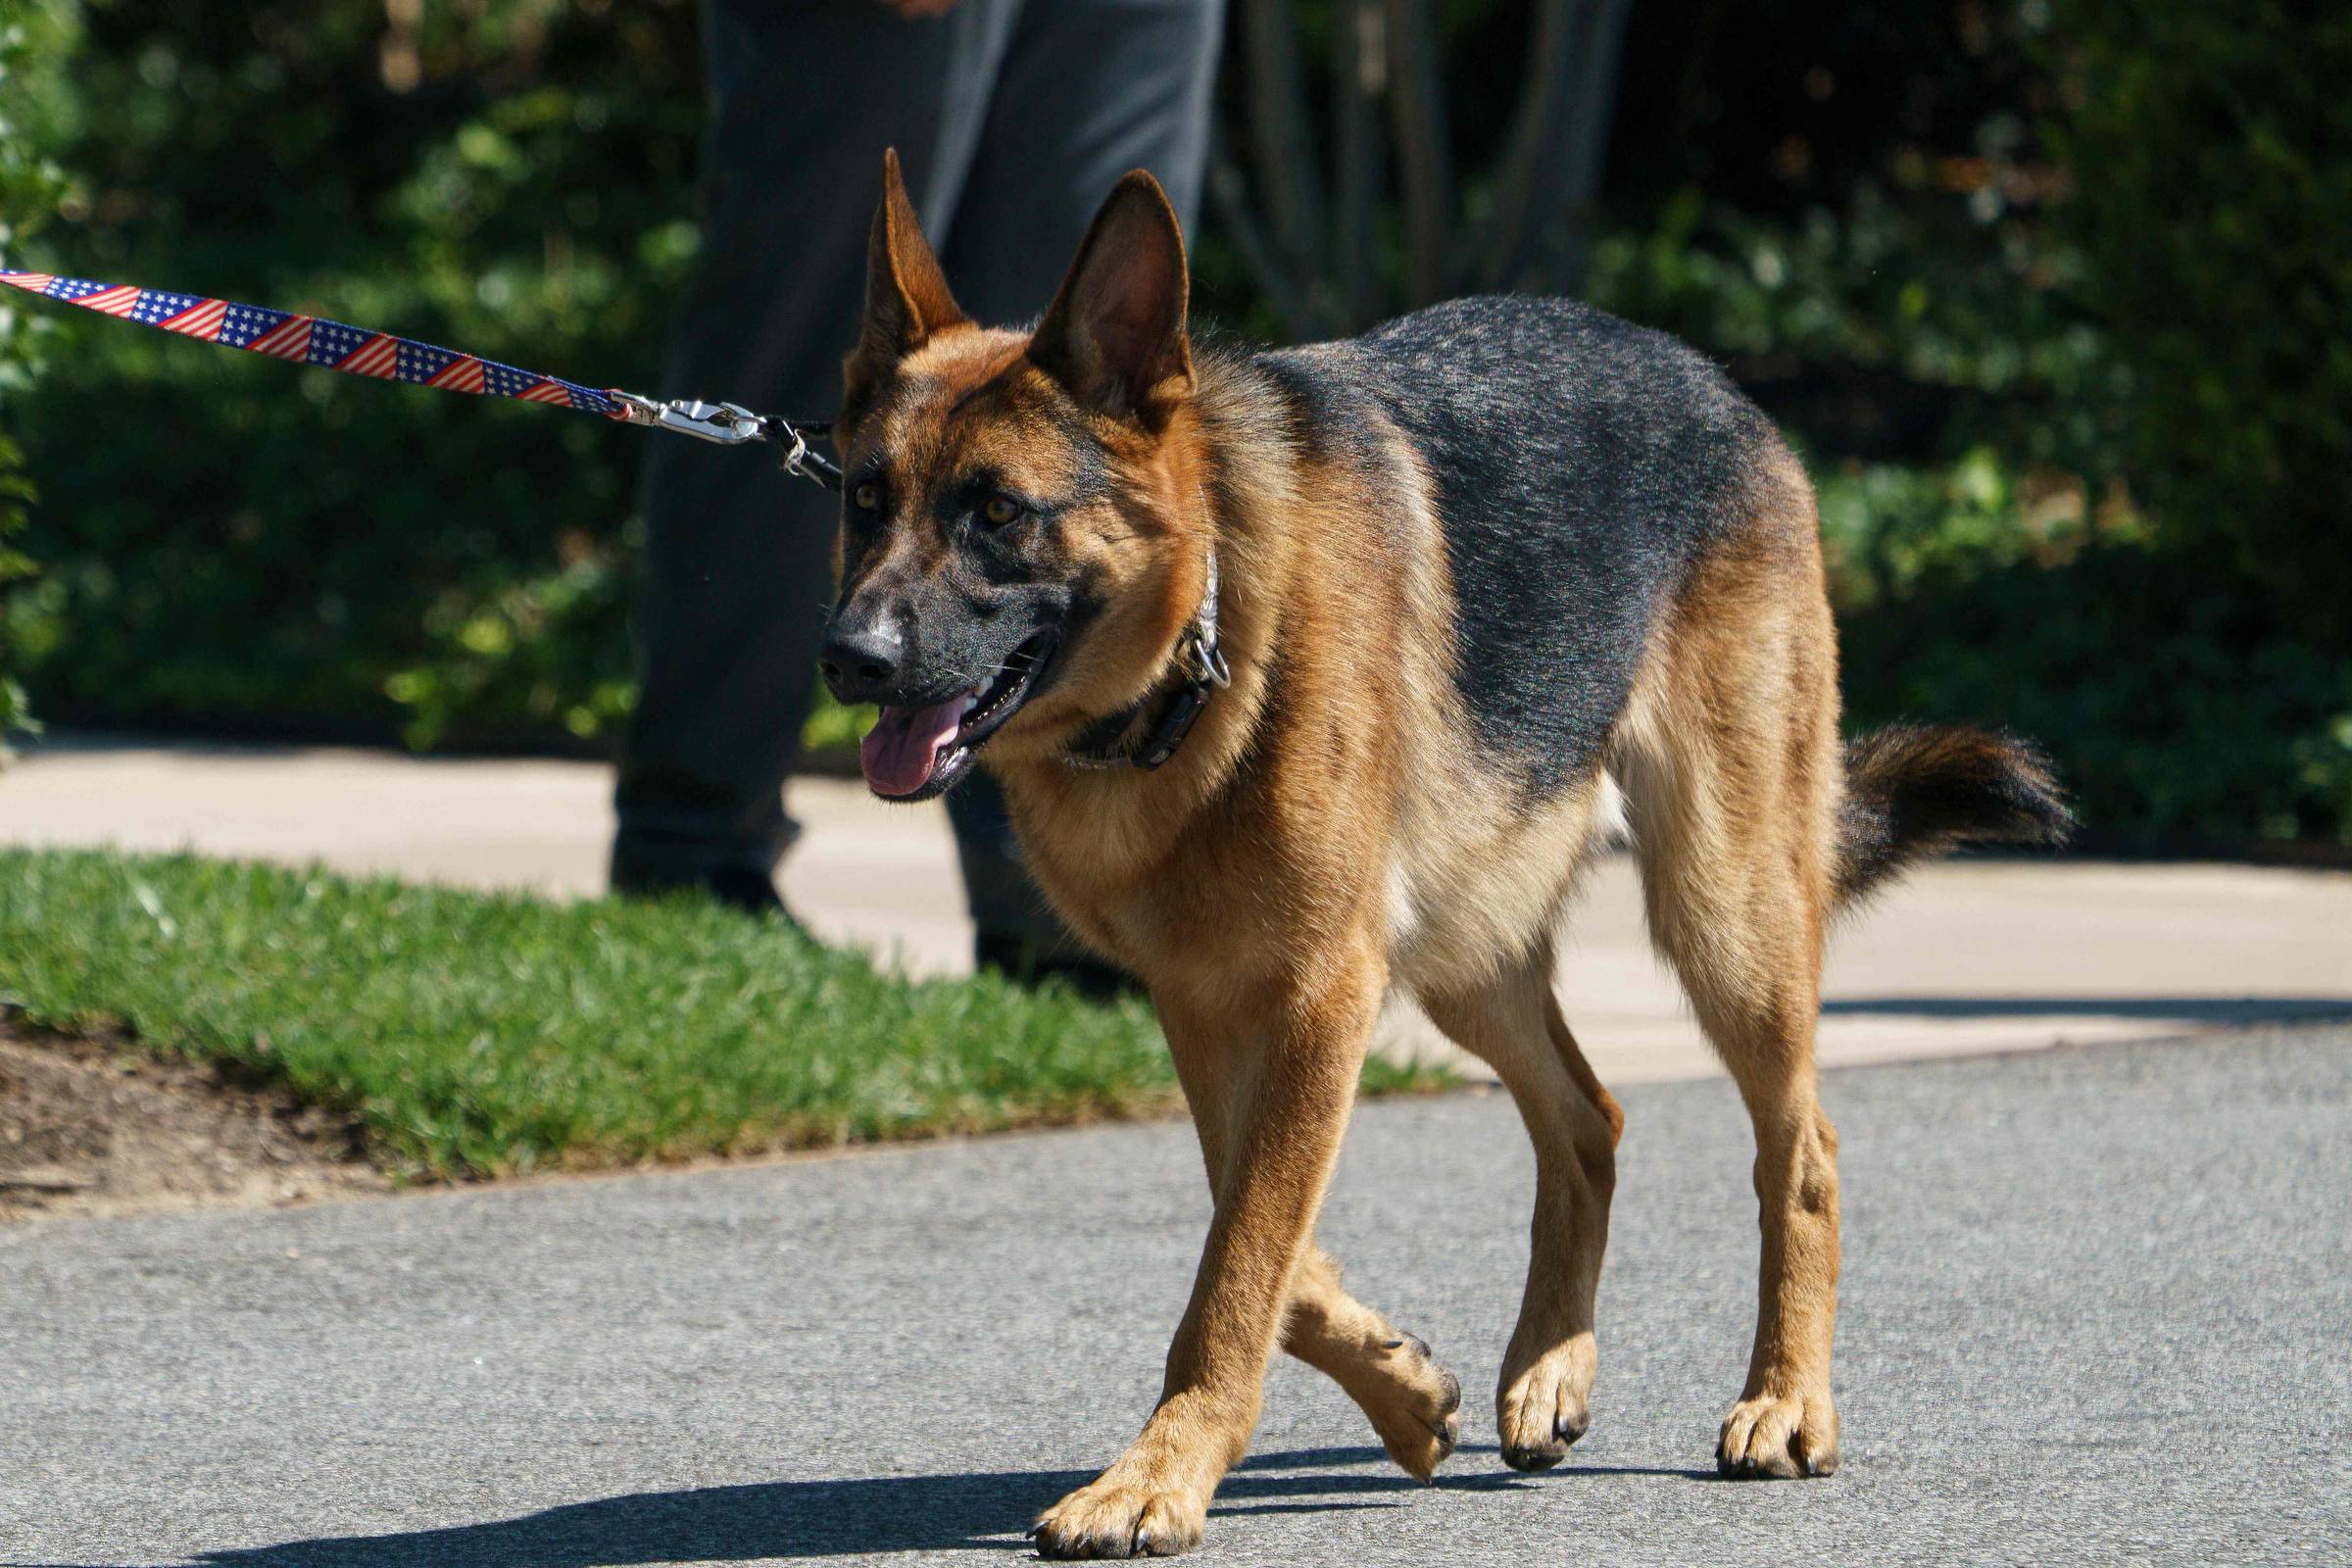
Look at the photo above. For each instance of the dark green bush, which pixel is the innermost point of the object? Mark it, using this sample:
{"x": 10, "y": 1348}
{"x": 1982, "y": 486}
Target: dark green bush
{"x": 251, "y": 543}
{"x": 2178, "y": 709}
{"x": 2078, "y": 429}
{"x": 33, "y": 43}
{"x": 2211, "y": 150}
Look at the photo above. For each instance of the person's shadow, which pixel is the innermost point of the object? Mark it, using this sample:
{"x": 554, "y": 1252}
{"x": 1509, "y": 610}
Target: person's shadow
{"x": 829, "y": 1518}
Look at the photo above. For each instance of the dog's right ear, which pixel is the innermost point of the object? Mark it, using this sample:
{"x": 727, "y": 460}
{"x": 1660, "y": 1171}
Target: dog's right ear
{"x": 907, "y": 298}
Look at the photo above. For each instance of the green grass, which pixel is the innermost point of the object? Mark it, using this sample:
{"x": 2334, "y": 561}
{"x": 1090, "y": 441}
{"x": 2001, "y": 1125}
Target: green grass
{"x": 486, "y": 1034}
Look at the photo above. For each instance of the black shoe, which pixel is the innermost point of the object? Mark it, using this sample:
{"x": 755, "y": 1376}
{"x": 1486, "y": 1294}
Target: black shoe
{"x": 1030, "y": 961}
{"x": 735, "y": 886}
{"x": 749, "y": 892}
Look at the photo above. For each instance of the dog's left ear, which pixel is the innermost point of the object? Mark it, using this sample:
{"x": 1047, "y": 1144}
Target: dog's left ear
{"x": 1115, "y": 334}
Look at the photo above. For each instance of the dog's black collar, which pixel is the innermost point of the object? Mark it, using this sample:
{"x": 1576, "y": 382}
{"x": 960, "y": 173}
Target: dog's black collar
{"x": 1105, "y": 743}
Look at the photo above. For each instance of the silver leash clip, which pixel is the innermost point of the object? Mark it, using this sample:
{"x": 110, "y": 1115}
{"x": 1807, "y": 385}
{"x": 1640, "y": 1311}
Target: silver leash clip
{"x": 728, "y": 425}
{"x": 795, "y": 454}
{"x": 1208, "y": 659}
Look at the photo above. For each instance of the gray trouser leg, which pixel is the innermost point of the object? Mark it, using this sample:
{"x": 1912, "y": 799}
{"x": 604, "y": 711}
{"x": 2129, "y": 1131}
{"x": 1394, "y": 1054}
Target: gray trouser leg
{"x": 1088, "y": 89}
{"x": 1012, "y": 117}
{"x": 737, "y": 567}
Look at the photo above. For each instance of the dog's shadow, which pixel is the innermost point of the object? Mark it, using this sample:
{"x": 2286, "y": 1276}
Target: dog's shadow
{"x": 830, "y": 1518}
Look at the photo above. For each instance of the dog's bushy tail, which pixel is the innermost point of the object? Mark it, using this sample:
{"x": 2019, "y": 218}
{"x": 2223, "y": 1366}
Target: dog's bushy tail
{"x": 1914, "y": 791}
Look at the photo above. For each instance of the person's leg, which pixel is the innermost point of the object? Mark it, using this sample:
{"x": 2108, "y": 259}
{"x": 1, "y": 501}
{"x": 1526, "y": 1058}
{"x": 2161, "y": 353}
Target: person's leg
{"x": 737, "y": 575}
{"x": 1086, "y": 90}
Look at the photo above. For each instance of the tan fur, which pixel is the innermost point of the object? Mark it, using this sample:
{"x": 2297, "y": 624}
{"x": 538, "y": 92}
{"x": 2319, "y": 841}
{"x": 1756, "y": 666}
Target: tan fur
{"x": 1329, "y": 830}
{"x": 1731, "y": 764}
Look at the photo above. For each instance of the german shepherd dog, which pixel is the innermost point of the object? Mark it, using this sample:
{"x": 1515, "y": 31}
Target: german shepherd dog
{"x": 1420, "y": 596}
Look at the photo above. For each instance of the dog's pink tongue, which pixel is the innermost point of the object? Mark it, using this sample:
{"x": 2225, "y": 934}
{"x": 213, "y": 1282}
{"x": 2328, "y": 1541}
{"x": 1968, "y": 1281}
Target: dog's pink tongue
{"x": 902, "y": 747}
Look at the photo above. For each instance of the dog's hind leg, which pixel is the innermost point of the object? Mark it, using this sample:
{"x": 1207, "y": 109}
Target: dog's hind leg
{"x": 1414, "y": 1405}
{"x": 1730, "y": 762}
{"x": 1542, "y": 1401}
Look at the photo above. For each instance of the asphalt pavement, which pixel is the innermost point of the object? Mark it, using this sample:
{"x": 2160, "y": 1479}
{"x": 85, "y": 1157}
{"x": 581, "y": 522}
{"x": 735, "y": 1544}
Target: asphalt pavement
{"x": 2096, "y": 1308}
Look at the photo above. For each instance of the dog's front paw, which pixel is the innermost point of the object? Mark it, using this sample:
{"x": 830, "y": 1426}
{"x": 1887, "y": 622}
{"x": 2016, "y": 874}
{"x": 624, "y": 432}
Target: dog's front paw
{"x": 1116, "y": 1517}
{"x": 1545, "y": 1410}
{"x": 1778, "y": 1436}
{"x": 1416, "y": 1408}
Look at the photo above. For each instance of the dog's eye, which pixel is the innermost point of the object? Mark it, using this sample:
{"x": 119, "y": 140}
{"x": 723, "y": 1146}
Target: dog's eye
{"x": 867, "y": 497}
{"x": 999, "y": 510}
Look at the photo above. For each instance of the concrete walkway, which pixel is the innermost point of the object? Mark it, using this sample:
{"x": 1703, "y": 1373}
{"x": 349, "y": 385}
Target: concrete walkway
{"x": 1970, "y": 956}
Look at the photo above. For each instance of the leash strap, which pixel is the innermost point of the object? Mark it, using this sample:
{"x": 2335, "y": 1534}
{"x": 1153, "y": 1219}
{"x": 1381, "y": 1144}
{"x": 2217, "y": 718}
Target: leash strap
{"x": 358, "y": 351}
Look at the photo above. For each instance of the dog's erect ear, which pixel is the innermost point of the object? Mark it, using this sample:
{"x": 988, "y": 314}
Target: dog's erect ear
{"x": 1114, "y": 335}
{"x": 907, "y": 298}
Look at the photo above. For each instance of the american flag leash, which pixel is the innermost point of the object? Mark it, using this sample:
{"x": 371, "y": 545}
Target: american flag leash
{"x": 356, "y": 350}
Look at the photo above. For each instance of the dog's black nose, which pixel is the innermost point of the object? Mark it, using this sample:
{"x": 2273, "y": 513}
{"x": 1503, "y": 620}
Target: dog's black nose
{"x": 862, "y": 663}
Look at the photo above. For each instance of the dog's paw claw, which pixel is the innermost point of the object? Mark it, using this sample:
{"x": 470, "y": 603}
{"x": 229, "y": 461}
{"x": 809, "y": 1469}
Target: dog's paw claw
{"x": 1544, "y": 1412}
{"x": 1418, "y": 1413}
{"x": 1778, "y": 1438}
{"x": 1116, "y": 1519}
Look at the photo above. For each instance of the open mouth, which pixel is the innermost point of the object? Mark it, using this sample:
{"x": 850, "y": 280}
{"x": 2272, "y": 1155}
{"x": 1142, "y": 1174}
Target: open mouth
{"x": 917, "y": 750}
